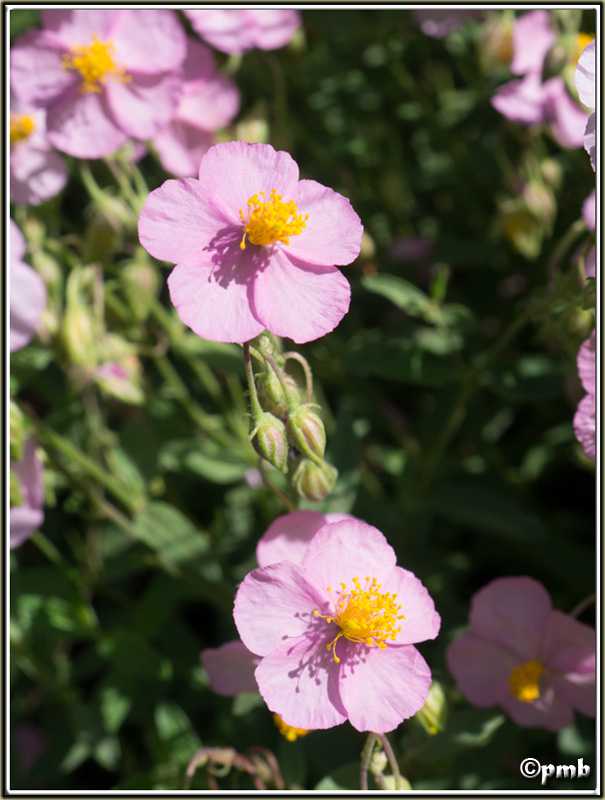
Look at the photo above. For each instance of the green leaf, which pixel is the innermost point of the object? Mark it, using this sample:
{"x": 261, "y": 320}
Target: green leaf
{"x": 107, "y": 753}
{"x": 246, "y": 702}
{"x": 174, "y": 730}
{"x": 223, "y": 468}
{"x": 168, "y": 532}
{"x": 533, "y": 378}
{"x": 402, "y": 293}
{"x": 114, "y": 702}
{"x": 131, "y": 655}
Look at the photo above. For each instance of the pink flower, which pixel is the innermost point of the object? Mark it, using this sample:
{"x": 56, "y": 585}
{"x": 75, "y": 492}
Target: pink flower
{"x": 585, "y": 84}
{"x": 102, "y": 75}
{"x": 29, "y": 473}
{"x": 254, "y": 247}
{"x": 584, "y": 421}
{"x": 37, "y": 171}
{"x": 437, "y": 23}
{"x": 27, "y": 293}
{"x": 236, "y": 30}
{"x": 230, "y": 668}
{"x": 538, "y": 664}
{"x": 335, "y": 634}
{"x": 208, "y": 102}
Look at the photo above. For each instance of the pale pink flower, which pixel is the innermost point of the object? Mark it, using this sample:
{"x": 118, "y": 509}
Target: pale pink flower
{"x": 584, "y": 421}
{"x": 254, "y": 246}
{"x": 208, "y": 102}
{"x": 336, "y": 633}
{"x": 26, "y": 518}
{"x": 37, "y": 171}
{"x": 536, "y": 663}
{"x": 237, "y": 30}
{"x": 585, "y": 84}
{"x": 27, "y": 293}
{"x": 438, "y": 22}
{"x": 102, "y": 75}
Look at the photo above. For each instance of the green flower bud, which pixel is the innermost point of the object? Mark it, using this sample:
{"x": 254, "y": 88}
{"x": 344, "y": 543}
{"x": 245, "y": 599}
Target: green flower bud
{"x": 17, "y": 432}
{"x": 433, "y": 714}
{"x": 270, "y": 440}
{"x": 307, "y": 432}
{"x": 16, "y": 496}
{"x": 313, "y": 482}
{"x": 141, "y": 283}
{"x": 271, "y": 394}
{"x": 79, "y": 335}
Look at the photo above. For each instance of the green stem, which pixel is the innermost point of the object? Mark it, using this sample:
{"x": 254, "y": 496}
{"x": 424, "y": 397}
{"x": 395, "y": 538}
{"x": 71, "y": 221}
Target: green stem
{"x": 307, "y": 370}
{"x": 582, "y": 606}
{"x": 254, "y": 403}
{"x": 366, "y": 757}
{"x": 50, "y": 551}
{"x": 277, "y": 492}
{"x": 386, "y": 746}
{"x": 291, "y": 398}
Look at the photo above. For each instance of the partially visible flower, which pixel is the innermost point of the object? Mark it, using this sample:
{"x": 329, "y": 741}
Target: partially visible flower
{"x": 537, "y": 663}
{"x": 336, "y": 633}
{"x": 440, "y": 21}
{"x": 584, "y": 421}
{"x": 103, "y": 75}
{"x": 254, "y": 246}
{"x": 291, "y": 734}
{"x": 585, "y": 84}
{"x": 208, "y": 102}
{"x": 37, "y": 171}
{"x": 589, "y": 213}
{"x": 237, "y": 30}
{"x": 230, "y": 668}
{"x": 27, "y": 487}
{"x": 27, "y": 293}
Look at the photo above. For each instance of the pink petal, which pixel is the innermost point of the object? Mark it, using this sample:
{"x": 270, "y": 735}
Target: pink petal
{"x": 341, "y": 551}
{"x": 230, "y": 668}
{"x": 145, "y": 104}
{"x": 589, "y": 210}
{"x": 300, "y": 301}
{"x": 181, "y": 146}
{"x": 512, "y": 611}
{"x": 584, "y": 424}
{"x": 16, "y": 242}
{"x": 23, "y": 522}
{"x": 210, "y": 105}
{"x": 273, "y": 28}
{"x": 299, "y": 681}
{"x": 569, "y": 646}
{"x": 439, "y": 22}
{"x": 288, "y": 537}
{"x": 177, "y": 223}
{"x": 568, "y": 120}
{"x": 212, "y": 293}
{"x": 578, "y": 691}
{"x": 149, "y": 41}
{"x": 232, "y": 172}
{"x": 421, "y": 620}
{"x": 590, "y": 139}
{"x": 199, "y": 64}
{"x": 275, "y": 605}
{"x": 226, "y": 30}
{"x": 587, "y": 356}
{"x": 590, "y": 267}
{"x": 521, "y": 101}
{"x": 36, "y": 71}
{"x": 550, "y": 711}
{"x": 36, "y": 173}
{"x": 76, "y": 26}
{"x": 381, "y": 688}
{"x": 585, "y": 75}
{"x": 27, "y": 302}
{"x": 532, "y": 38}
{"x": 80, "y": 125}
{"x": 30, "y": 472}
{"x": 481, "y": 668}
{"x": 333, "y": 232}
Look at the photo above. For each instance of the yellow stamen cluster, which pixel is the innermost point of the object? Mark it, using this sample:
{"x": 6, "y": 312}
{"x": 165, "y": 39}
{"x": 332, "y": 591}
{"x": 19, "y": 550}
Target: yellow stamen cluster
{"x": 582, "y": 39}
{"x": 364, "y": 614}
{"x": 291, "y": 734}
{"x": 95, "y": 64}
{"x": 271, "y": 220}
{"x": 523, "y": 681}
{"x": 22, "y": 127}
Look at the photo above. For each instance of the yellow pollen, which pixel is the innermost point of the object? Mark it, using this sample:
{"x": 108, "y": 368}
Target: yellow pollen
{"x": 523, "y": 681}
{"x": 364, "y": 614}
{"x": 291, "y": 734}
{"x": 21, "y": 128}
{"x": 271, "y": 220}
{"x": 582, "y": 39}
{"x": 95, "y": 63}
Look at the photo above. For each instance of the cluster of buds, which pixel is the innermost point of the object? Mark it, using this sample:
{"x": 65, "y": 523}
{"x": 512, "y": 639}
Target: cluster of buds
{"x": 286, "y": 429}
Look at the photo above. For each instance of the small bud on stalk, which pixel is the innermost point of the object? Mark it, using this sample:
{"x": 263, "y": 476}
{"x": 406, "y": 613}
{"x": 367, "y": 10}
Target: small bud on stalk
{"x": 270, "y": 440}
{"x": 433, "y": 714}
{"x": 314, "y": 483}
{"x": 307, "y": 433}
{"x": 271, "y": 394}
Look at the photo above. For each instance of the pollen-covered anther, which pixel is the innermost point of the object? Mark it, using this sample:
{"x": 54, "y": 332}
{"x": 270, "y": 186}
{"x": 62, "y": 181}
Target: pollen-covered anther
{"x": 271, "y": 220}
{"x": 364, "y": 614}
{"x": 21, "y": 127}
{"x": 95, "y": 64}
{"x": 524, "y": 681}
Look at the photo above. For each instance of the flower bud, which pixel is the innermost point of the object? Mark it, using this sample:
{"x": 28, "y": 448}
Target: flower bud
{"x": 433, "y": 714}
{"x": 17, "y": 432}
{"x": 79, "y": 335}
{"x": 271, "y": 394}
{"x": 307, "y": 432}
{"x": 314, "y": 483}
{"x": 141, "y": 283}
{"x": 270, "y": 440}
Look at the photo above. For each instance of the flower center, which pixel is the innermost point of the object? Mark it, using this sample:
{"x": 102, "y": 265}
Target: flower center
{"x": 271, "y": 220}
{"x": 582, "y": 39}
{"x": 523, "y": 681}
{"x": 21, "y": 128}
{"x": 364, "y": 614}
{"x": 291, "y": 734}
{"x": 94, "y": 62}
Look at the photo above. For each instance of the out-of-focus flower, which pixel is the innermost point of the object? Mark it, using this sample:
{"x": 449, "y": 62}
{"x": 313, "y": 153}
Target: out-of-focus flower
{"x": 27, "y": 293}
{"x": 102, "y": 75}
{"x": 336, "y": 634}
{"x": 230, "y": 668}
{"x": 537, "y": 663}
{"x": 585, "y": 84}
{"x": 440, "y": 21}
{"x": 236, "y": 30}
{"x": 27, "y": 487}
{"x": 254, "y": 247}
{"x": 37, "y": 171}
{"x": 208, "y": 102}
{"x": 584, "y": 421}
{"x": 531, "y": 101}
{"x": 589, "y": 213}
